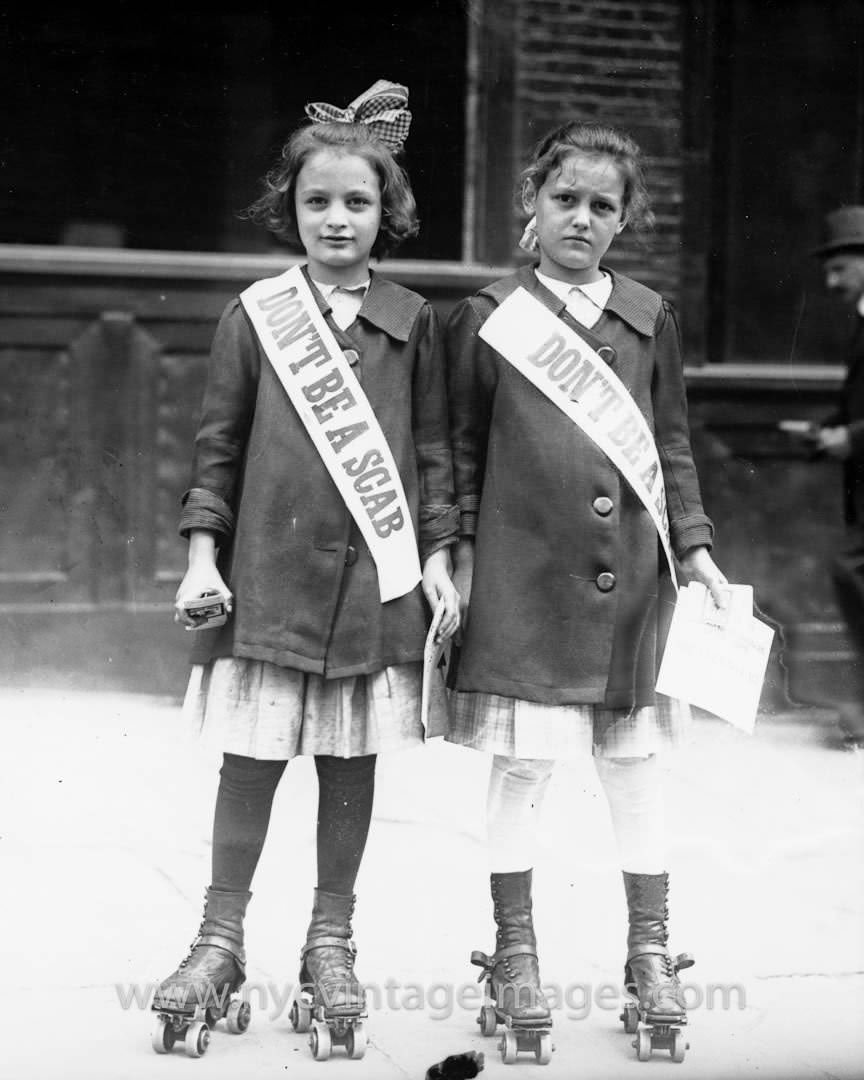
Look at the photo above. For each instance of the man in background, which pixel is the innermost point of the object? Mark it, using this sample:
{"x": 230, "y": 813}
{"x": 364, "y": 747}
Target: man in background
{"x": 842, "y": 437}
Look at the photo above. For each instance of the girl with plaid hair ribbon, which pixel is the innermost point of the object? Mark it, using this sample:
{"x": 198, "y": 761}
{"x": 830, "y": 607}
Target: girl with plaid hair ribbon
{"x": 558, "y": 565}
{"x": 290, "y": 519}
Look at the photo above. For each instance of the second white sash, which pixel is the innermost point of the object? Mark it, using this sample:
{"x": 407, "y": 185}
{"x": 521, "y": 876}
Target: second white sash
{"x": 565, "y": 368}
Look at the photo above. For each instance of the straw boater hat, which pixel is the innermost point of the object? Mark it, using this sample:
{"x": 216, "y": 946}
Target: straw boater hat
{"x": 844, "y": 230}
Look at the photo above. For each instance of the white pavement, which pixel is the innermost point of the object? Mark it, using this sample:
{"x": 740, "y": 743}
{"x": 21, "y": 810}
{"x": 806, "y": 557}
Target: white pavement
{"x": 106, "y": 811}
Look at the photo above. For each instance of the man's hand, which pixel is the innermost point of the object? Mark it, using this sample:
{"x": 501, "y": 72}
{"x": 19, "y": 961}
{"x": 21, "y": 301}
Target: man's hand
{"x": 835, "y": 442}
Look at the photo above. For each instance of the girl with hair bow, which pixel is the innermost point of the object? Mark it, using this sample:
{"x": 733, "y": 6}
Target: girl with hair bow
{"x": 291, "y": 521}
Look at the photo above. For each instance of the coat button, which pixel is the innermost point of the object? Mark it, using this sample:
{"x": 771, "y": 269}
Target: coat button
{"x": 603, "y": 505}
{"x": 607, "y": 353}
{"x": 351, "y": 355}
{"x": 350, "y": 555}
{"x": 605, "y": 581}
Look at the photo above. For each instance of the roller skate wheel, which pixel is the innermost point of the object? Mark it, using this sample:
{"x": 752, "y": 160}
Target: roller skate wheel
{"x": 509, "y": 1047}
{"x": 320, "y": 1042}
{"x": 642, "y": 1042}
{"x": 630, "y": 1016}
{"x": 238, "y": 1017}
{"x": 212, "y": 1017}
{"x": 543, "y": 1049}
{"x": 679, "y": 1046}
{"x": 301, "y": 1016}
{"x": 164, "y": 1036}
{"x": 487, "y": 1020}
{"x": 197, "y": 1039}
{"x": 355, "y": 1041}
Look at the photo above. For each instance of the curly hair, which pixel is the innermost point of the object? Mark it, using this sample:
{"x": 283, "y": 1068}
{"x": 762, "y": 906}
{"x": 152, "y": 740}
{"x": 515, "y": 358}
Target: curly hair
{"x": 275, "y": 209}
{"x": 595, "y": 138}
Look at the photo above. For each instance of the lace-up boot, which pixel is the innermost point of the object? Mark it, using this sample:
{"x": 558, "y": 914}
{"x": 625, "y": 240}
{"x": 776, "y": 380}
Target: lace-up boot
{"x": 215, "y": 965}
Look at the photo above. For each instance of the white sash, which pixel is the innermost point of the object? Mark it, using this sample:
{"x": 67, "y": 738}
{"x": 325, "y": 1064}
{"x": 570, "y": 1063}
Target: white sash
{"x": 329, "y": 400}
{"x": 574, "y": 377}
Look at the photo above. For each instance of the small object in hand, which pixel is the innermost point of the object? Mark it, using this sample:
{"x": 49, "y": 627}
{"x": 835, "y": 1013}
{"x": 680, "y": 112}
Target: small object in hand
{"x": 804, "y": 433}
{"x": 457, "y": 1067}
{"x": 801, "y": 429}
{"x": 206, "y": 612}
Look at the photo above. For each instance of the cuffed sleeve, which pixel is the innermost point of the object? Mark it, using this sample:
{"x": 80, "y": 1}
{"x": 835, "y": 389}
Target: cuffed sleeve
{"x": 439, "y": 526}
{"x": 204, "y": 510}
{"x": 468, "y": 520}
{"x": 690, "y": 534}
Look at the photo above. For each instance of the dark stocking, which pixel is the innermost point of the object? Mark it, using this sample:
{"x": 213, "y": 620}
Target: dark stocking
{"x": 243, "y": 804}
{"x": 346, "y": 788}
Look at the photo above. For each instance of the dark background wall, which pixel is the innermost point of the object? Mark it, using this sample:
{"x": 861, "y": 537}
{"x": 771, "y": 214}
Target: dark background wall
{"x": 130, "y": 140}
{"x": 160, "y": 125}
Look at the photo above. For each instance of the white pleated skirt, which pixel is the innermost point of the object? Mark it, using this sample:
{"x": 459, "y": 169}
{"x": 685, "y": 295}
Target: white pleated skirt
{"x": 261, "y": 710}
{"x": 527, "y": 729}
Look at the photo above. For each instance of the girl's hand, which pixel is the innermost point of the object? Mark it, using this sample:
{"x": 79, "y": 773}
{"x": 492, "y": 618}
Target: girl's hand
{"x": 463, "y": 577}
{"x": 698, "y": 565}
{"x": 202, "y": 578}
{"x": 437, "y": 586}
{"x": 199, "y": 581}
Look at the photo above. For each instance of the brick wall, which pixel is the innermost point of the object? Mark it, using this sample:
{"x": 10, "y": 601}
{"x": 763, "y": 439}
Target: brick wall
{"x": 619, "y": 61}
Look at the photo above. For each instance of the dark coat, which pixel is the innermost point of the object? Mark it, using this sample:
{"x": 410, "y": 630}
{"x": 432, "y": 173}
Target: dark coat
{"x": 568, "y": 565}
{"x": 304, "y": 582}
{"x": 851, "y": 414}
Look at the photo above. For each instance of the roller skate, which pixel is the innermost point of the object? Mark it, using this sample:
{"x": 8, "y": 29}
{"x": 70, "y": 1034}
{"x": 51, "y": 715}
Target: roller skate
{"x": 331, "y": 1004}
{"x": 512, "y": 975}
{"x": 199, "y": 993}
{"x": 656, "y": 1015}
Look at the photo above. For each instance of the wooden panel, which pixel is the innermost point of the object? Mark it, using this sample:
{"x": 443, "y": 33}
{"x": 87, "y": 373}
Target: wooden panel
{"x": 100, "y": 358}
{"x": 141, "y": 456}
{"x": 41, "y": 332}
{"x": 181, "y": 385}
{"x": 39, "y": 541}
{"x": 146, "y": 302}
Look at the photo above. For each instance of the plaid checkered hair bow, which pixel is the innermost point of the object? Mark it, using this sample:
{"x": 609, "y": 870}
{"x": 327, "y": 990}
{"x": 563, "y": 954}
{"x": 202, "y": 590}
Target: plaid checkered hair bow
{"x": 383, "y": 108}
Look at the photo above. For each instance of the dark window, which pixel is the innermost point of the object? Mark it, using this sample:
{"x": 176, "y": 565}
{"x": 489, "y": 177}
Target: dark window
{"x": 789, "y": 147}
{"x": 150, "y": 127}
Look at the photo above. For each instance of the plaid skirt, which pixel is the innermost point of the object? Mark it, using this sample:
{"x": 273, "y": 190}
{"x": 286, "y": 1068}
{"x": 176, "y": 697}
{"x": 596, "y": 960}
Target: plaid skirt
{"x": 528, "y": 729}
{"x": 260, "y": 710}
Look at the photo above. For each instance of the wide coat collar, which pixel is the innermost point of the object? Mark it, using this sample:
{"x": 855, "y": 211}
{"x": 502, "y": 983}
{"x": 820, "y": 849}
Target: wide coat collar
{"x": 636, "y": 304}
{"x": 387, "y": 306}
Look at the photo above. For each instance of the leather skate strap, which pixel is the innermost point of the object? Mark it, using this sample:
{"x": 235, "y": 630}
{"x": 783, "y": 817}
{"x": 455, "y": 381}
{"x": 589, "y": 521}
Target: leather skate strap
{"x": 515, "y": 950}
{"x": 484, "y": 960}
{"x": 487, "y": 962}
{"x": 647, "y": 950}
{"x": 234, "y": 950}
{"x": 329, "y": 942}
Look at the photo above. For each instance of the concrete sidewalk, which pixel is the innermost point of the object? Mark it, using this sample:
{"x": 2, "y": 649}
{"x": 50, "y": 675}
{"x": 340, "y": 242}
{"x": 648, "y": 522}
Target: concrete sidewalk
{"x": 106, "y": 811}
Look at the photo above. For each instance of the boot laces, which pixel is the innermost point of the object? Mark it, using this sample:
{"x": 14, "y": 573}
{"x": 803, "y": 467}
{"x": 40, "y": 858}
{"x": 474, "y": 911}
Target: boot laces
{"x": 194, "y": 945}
